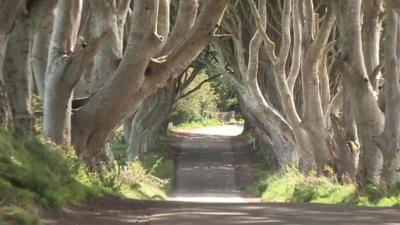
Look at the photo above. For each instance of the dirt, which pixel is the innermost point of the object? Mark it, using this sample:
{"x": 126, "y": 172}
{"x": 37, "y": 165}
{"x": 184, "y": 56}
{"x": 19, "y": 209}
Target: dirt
{"x": 213, "y": 172}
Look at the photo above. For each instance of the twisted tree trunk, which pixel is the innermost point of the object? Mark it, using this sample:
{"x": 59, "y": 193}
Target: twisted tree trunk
{"x": 139, "y": 75}
{"x": 367, "y": 114}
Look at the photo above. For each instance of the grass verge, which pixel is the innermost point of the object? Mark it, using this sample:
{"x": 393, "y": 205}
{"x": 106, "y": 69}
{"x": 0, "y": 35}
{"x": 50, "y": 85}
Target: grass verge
{"x": 34, "y": 176}
{"x": 293, "y": 186}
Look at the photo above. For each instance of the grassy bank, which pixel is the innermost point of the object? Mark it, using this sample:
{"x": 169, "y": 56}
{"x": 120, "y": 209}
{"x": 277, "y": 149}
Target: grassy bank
{"x": 292, "y": 186}
{"x": 34, "y": 176}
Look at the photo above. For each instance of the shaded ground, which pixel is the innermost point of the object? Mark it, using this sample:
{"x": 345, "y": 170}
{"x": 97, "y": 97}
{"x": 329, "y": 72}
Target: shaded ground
{"x": 127, "y": 212}
{"x": 216, "y": 168}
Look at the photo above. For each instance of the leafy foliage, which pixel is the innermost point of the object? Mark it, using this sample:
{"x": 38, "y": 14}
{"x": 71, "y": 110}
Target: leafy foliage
{"x": 198, "y": 106}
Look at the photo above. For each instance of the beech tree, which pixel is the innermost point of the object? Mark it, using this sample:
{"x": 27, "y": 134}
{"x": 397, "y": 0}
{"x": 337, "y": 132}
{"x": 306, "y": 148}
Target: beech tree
{"x": 309, "y": 133}
{"x": 9, "y": 10}
{"x": 148, "y": 63}
{"x": 317, "y": 80}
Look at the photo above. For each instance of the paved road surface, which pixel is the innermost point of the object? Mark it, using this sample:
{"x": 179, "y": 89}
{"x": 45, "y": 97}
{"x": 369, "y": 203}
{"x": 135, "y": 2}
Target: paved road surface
{"x": 205, "y": 167}
{"x": 207, "y": 173}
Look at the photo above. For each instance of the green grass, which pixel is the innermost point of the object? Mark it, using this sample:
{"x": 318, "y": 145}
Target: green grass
{"x": 293, "y": 186}
{"x": 234, "y": 121}
{"x": 32, "y": 175}
{"x": 154, "y": 174}
{"x": 199, "y": 124}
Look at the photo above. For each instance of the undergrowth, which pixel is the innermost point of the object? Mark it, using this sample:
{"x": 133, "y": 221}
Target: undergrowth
{"x": 152, "y": 178}
{"x": 293, "y": 186}
{"x": 34, "y": 176}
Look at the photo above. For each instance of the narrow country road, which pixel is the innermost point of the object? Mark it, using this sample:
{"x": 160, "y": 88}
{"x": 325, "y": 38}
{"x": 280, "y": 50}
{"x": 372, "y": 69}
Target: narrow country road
{"x": 213, "y": 170}
{"x": 206, "y": 166}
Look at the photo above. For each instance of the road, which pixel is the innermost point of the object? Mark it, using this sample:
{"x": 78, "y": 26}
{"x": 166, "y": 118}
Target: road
{"x": 213, "y": 169}
{"x": 205, "y": 168}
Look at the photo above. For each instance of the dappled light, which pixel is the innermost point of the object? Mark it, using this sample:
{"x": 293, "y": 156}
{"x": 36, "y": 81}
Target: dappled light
{"x": 238, "y": 213}
{"x": 199, "y": 112}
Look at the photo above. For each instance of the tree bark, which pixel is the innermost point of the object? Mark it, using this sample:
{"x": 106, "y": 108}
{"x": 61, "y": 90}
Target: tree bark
{"x": 58, "y": 86}
{"x": 9, "y": 9}
{"x": 18, "y": 76}
{"x": 371, "y": 36}
{"x": 138, "y": 75}
{"x": 152, "y": 113}
{"x": 365, "y": 109}
{"x": 43, "y": 19}
{"x": 390, "y": 137}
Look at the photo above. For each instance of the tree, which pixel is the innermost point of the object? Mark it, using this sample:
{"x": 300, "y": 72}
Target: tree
{"x": 365, "y": 109}
{"x": 9, "y": 10}
{"x": 141, "y": 71}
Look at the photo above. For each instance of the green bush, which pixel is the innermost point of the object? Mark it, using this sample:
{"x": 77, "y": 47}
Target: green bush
{"x": 198, "y": 106}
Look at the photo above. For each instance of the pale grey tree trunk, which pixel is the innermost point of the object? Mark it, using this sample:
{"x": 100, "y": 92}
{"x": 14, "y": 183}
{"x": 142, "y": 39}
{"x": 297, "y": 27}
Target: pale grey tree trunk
{"x": 18, "y": 76}
{"x": 9, "y": 10}
{"x": 105, "y": 17}
{"x": 152, "y": 113}
{"x": 139, "y": 75}
{"x": 365, "y": 109}
{"x": 245, "y": 82}
{"x": 58, "y": 83}
{"x": 310, "y": 132}
{"x": 43, "y": 19}
{"x": 390, "y": 138}
{"x": 371, "y": 36}
{"x": 275, "y": 144}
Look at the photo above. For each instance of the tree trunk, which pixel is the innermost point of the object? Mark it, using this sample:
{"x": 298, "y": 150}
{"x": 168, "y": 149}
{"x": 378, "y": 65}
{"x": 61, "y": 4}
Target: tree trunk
{"x": 9, "y": 9}
{"x": 371, "y": 36}
{"x": 18, "y": 76}
{"x": 58, "y": 86}
{"x": 391, "y": 134}
{"x": 365, "y": 109}
{"x": 43, "y": 19}
{"x": 272, "y": 142}
{"x": 152, "y": 113}
{"x": 139, "y": 75}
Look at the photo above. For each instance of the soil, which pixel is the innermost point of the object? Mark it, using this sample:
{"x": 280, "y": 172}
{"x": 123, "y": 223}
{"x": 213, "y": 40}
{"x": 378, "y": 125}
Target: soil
{"x": 213, "y": 171}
